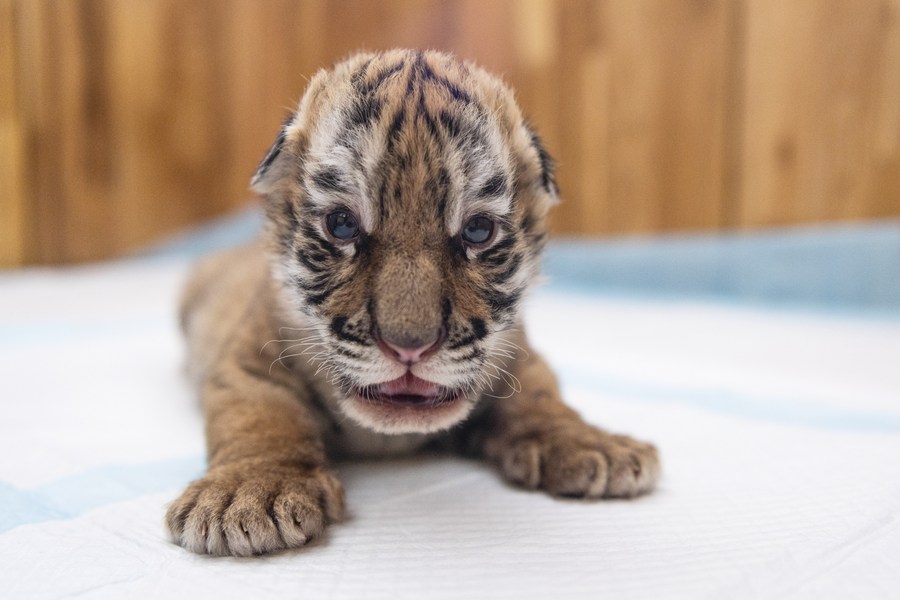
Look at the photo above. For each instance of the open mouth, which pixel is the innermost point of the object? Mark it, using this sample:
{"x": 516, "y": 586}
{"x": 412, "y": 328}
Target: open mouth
{"x": 409, "y": 391}
{"x": 408, "y": 404}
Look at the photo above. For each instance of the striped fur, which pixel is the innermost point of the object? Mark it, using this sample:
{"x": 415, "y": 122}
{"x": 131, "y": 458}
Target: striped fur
{"x": 414, "y": 144}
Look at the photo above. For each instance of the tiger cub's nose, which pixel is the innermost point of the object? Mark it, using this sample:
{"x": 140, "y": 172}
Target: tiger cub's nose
{"x": 410, "y": 349}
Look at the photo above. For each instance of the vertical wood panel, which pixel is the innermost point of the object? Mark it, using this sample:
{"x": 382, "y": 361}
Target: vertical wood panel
{"x": 39, "y": 149}
{"x": 579, "y": 31}
{"x": 12, "y": 190}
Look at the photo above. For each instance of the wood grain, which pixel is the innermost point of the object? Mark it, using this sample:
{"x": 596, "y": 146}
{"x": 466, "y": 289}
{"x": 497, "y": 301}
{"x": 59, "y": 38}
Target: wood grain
{"x": 121, "y": 122}
{"x": 12, "y": 190}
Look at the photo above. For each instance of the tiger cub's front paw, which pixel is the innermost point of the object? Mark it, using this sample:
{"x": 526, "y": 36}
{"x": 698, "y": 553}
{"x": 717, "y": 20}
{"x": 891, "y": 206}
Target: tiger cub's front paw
{"x": 578, "y": 460}
{"x": 245, "y": 511}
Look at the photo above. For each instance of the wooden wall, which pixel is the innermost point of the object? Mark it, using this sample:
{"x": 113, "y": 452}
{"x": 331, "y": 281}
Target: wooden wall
{"x": 123, "y": 120}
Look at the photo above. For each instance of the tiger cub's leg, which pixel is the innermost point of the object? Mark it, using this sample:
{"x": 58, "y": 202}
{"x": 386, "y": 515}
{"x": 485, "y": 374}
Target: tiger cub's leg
{"x": 539, "y": 443}
{"x": 268, "y": 486}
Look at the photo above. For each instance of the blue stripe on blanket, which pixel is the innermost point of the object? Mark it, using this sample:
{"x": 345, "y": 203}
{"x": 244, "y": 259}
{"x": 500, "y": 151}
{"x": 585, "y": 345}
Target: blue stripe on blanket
{"x": 74, "y": 495}
{"x": 845, "y": 266}
{"x": 733, "y": 403}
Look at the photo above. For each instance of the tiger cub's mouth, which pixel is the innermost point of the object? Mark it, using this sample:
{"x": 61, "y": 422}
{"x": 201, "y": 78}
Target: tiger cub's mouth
{"x": 408, "y": 404}
{"x": 409, "y": 391}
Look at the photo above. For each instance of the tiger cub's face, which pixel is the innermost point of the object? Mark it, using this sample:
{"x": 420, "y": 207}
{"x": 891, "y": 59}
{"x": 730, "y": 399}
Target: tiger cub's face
{"x": 406, "y": 201}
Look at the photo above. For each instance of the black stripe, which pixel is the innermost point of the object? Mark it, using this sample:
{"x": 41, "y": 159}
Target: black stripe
{"x": 478, "y": 328}
{"x": 451, "y": 124}
{"x": 364, "y": 247}
{"x": 329, "y": 180}
{"x": 370, "y": 309}
{"x": 394, "y": 129}
{"x": 306, "y": 259}
{"x": 383, "y": 75}
{"x": 270, "y": 156}
{"x": 503, "y": 277}
{"x": 348, "y": 353}
{"x": 495, "y": 186}
{"x": 314, "y": 241}
{"x": 324, "y": 246}
{"x": 310, "y": 232}
{"x": 423, "y": 113}
{"x": 527, "y": 223}
{"x": 317, "y": 299}
{"x": 455, "y": 91}
{"x": 382, "y": 195}
{"x": 463, "y": 341}
{"x": 411, "y": 82}
{"x": 337, "y": 327}
{"x": 547, "y": 180}
{"x": 290, "y": 213}
{"x": 286, "y": 233}
{"x": 446, "y": 309}
{"x": 427, "y": 74}
{"x": 397, "y": 192}
{"x": 501, "y": 303}
{"x": 442, "y": 190}
{"x": 313, "y": 286}
{"x": 496, "y": 260}
{"x": 475, "y": 353}
{"x": 364, "y": 111}
{"x": 479, "y": 331}
{"x": 457, "y": 248}
{"x": 504, "y": 244}
{"x": 357, "y": 79}
{"x": 275, "y": 149}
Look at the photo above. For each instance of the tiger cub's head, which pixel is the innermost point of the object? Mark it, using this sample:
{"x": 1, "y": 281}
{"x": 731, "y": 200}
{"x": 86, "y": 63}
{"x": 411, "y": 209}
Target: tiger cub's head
{"x": 406, "y": 203}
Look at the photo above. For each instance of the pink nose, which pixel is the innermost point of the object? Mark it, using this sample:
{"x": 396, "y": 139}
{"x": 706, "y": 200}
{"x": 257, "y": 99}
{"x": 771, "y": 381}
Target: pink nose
{"x": 410, "y": 355}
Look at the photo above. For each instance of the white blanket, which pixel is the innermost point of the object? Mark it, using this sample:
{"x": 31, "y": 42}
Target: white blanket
{"x": 779, "y": 432}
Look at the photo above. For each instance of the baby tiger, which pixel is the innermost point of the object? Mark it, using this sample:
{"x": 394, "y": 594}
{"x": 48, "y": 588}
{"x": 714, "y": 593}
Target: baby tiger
{"x": 406, "y": 204}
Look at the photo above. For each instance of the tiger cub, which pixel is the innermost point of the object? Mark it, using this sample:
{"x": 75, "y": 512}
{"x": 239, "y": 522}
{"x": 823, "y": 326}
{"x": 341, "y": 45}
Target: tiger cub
{"x": 406, "y": 204}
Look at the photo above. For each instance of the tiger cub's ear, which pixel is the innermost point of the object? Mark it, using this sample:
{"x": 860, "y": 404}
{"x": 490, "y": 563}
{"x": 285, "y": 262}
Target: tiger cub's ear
{"x": 546, "y": 164}
{"x": 273, "y": 165}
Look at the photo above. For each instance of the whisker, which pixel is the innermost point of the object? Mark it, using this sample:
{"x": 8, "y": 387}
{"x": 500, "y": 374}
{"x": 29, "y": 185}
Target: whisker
{"x": 307, "y": 328}
{"x": 302, "y": 340}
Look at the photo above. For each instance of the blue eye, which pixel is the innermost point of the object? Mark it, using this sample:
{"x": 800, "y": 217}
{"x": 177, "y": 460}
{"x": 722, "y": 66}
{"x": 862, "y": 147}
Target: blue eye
{"x": 478, "y": 230}
{"x": 342, "y": 225}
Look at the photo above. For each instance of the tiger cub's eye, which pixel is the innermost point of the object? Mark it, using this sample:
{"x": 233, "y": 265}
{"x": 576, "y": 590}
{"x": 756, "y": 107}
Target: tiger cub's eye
{"x": 478, "y": 230}
{"x": 342, "y": 225}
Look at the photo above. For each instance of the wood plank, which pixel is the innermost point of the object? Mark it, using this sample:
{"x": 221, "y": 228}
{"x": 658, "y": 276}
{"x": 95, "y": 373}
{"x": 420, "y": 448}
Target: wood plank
{"x": 12, "y": 159}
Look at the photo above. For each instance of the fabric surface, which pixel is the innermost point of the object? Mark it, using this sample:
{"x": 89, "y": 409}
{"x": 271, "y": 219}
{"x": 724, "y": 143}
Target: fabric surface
{"x": 777, "y": 415}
